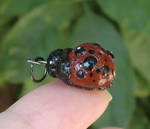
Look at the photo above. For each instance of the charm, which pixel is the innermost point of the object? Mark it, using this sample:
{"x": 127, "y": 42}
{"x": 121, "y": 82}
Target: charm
{"x": 87, "y": 66}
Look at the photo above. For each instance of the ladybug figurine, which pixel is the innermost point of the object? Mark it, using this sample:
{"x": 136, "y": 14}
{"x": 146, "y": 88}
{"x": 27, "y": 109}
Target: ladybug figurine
{"x": 87, "y": 66}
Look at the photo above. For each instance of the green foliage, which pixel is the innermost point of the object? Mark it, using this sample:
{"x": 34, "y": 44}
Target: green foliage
{"x": 10, "y": 8}
{"x": 142, "y": 85}
{"x": 31, "y": 28}
{"x": 138, "y": 44}
{"x": 35, "y": 35}
{"x": 139, "y": 120}
{"x": 131, "y": 13}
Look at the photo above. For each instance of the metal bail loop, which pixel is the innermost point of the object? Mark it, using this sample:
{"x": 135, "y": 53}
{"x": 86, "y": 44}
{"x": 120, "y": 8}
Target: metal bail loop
{"x": 37, "y": 61}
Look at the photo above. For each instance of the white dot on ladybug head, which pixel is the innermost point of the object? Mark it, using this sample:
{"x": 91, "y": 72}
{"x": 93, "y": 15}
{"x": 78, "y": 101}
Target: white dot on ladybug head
{"x": 78, "y": 48}
{"x": 50, "y": 62}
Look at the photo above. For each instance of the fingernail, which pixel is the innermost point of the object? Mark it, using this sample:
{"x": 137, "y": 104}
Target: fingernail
{"x": 108, "y": 95}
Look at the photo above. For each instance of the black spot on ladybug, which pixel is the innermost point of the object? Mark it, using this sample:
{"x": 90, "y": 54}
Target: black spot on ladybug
{"x": 80, "y": 51}
{"x": 100, "y": 53}
{"x": 94, "y": 80}
{"x": 96, "y": 44}
{"x": 89, "y": 63}
{"x": 91, "y": 74}
{"x": 98, "y": 70}
{"x": 106, "y": 70}
{"x": 110, "y": 53}
{"x": 81, "y": 73}
{"x": 91, "y": 51}
{"x": 74, "y": 60}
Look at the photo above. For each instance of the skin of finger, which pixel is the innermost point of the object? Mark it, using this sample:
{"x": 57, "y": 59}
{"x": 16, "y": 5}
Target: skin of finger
{"x": 56, "y": 106}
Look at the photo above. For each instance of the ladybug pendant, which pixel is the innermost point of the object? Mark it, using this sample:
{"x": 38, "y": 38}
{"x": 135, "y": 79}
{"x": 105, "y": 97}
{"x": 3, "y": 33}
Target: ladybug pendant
{"x": 87, "y": 66}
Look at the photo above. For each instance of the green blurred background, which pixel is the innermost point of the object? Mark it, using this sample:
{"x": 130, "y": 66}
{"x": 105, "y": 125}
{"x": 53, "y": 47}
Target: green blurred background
{"x": 31, "y": 28}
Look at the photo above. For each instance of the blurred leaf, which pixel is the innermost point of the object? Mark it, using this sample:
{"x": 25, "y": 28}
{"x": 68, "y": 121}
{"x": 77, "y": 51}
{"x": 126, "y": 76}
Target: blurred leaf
{"x": 10, "y": 8}
{"x": 138, "y": 46}
{"x": 132, "y": 13}
{"x": 142, "y": 85}
{"x": 36, "y": 34}
{"x": 5, "y": 26}
{"x": 8, "y": 95}
{"x": 139, "y": 120}
{"x": 91, "y": 28}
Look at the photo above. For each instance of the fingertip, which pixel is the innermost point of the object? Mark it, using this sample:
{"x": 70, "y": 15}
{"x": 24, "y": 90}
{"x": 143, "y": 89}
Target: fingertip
{"x": 108, "y": 95}
{"x": 63, "y": 105}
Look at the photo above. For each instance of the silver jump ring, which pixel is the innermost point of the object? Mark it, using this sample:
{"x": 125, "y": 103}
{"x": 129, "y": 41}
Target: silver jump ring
{"x": 37, "y": 61}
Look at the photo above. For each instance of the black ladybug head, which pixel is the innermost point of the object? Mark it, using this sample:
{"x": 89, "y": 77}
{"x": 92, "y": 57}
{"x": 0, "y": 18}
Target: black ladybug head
{"x": 58, "y": 63}
{"x": 53, "y": 61}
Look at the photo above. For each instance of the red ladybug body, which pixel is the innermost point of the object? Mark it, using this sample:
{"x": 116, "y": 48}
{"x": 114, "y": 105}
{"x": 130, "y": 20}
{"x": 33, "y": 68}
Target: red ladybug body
{"x": 91, "y": 66}
{"x": 87, "y": 66}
